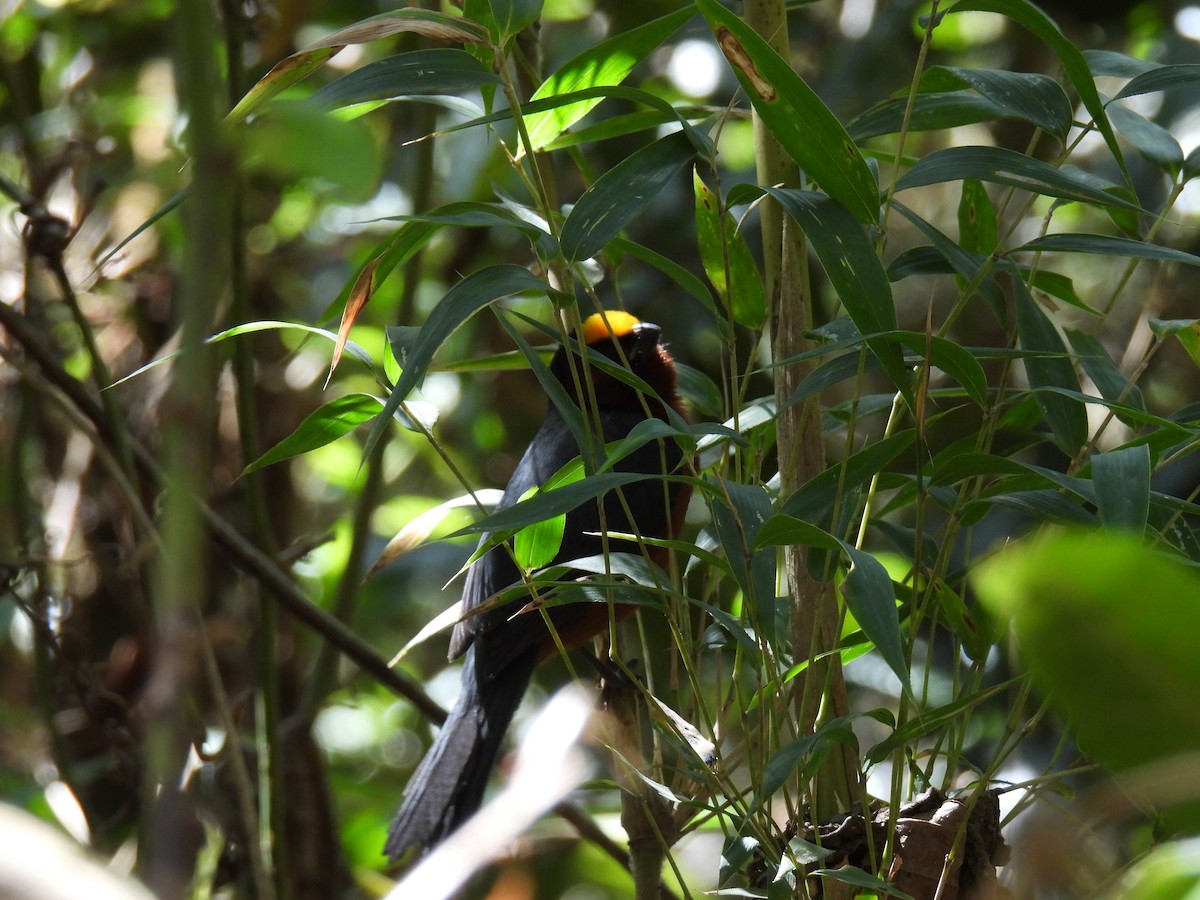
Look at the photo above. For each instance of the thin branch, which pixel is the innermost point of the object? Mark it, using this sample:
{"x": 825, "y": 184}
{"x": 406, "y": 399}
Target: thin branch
{"x": 249, "y": 558}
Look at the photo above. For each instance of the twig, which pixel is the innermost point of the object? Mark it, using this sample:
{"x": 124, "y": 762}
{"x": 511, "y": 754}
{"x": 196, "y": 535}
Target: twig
{"x": 248, "y": 557}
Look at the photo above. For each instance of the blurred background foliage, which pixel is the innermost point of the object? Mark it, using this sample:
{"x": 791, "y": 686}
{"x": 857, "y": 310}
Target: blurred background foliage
{"x": 90, "y": 128}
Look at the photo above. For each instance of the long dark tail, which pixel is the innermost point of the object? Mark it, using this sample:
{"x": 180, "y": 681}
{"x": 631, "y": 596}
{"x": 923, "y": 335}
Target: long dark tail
{"x": 448, "y": 786}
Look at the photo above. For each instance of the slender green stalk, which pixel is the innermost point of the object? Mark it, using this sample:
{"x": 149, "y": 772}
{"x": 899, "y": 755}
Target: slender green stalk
{"x": 271, "y": 848}
{"x": 186, "y": 419}
{"x": 799, "y": 438}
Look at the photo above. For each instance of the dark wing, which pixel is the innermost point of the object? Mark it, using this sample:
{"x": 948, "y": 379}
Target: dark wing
{"x": 551, "y": 449}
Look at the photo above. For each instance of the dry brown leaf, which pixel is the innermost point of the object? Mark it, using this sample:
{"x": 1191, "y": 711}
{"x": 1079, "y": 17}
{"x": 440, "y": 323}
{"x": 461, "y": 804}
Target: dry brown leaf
{"x": 360, "y": 294}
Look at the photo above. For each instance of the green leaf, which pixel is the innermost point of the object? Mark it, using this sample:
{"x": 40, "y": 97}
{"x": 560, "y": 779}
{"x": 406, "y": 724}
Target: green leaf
{"x": 1168, "y": 871}
{"x": 321, "y": 427}
{"x": 571, "y": 415}
{"x": 301, "y": 64}
{"x": 1099, "y": 366}
{"x": 955, "y": 360}
{"x": 1035, "y": 331}
{"x": 621, "y": 193}
{"x": 867, "y": 587}
{"x": 782, "y": 764}
{"x": 831, "y": 373}
{"x": 845, "y": 252}
{"x": 933, "y": 720}
{"x": 547, "y": 504}
{"x": 462, "y": 301}
{"x": 1001, "y": 166}
{"x": 1032, "y": 97}
{"x": 858, "y": 878}
{"x": 641, "y": 434}
{"x": 931, "y": 112}
{"x": 510, "y": 17}
{"x": 351, "y": 348}
{"x": 727, "y": 260}
{"x": 1106, "y": 245}
{"x": 977, "y": 231}
{"x": 699, "y": 391}
{"x": 1186, "y": 330}
{"x": 871, "y": 598}
{"x": 474, "y": 214}
{"x": 738, "y": 516}
{"x": 1056, "y": 285}
{"x": 1160, "y": 79}
{"x": 1118, "y": 65}
{"x": 437, "y": 71}
{"x": 782, "y": 530}
{"x": 970, "y": 626}
{"x": 1109, "y": 630}
{"x": 816, "y": 497}
{"x": 620, "y": 125}
{"x": 605, "y": 92}
{"x": 964, "y": 264}
{"x": 606, "y": 63}
{"x": 536, "y": 544}
{"x": 1153, "y": 141}
{"x": 386, "y": 257}
{"x": 849, "y": 259}
{"x": 1074, "y": 65}
{"x": 672, "y": 270}
{"x": 811, "y": 134}
{"x": 784, "y": 761}
{"x": 1122, "y": 480}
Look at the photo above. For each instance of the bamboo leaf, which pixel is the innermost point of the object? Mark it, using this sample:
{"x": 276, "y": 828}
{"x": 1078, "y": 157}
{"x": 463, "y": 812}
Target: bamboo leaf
{"x": 1066, "y": 417}
{"x": 931, "y": 112}
{"x": 606, "y": 63}
{"x": 1107, "y": 245}
{"x": 738, "y": 517}
{"x": 321, "y": 427}
{"x": 1029, "y": 96}
{"x": 1001, "y": 166}
{"x": 462, "y": 301}
{"x": 436, "y": 71}
{"x": 872, "y": 599}
{"x": 1161, "y": 78}
{"x": 672, "y": 270}
{"x": 1186, "y": 331}
{"x": 1122, "y": 480}
{"x": 1128, "y": 678}
{"x": 360, "y": 295}
{"x": 621, "y": 193}
{"x": 931, "y": 720}
{"x": 419, "y": 529}
{"x": 350, "y": 347}
{"x": 1099, "y": 366}
{"x": 550, "y": 503}
{"x": 816, "y": 497}
{"x": 811, "y": 134}
{"x": 977, "y": 231}
{"x": 1116, "y": 64}
{"x": 849, "y": 259}
{"x": 727, "y": 260}
{"x": 294, "y": 68}
{"x": 1153, "y": 141}
{"x": 1072, "y": 61}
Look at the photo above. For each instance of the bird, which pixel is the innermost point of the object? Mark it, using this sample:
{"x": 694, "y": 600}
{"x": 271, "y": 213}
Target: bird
{"x": 500, "y": 650}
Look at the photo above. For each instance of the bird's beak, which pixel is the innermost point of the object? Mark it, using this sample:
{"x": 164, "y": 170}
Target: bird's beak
{"x": 646, "y": 335}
